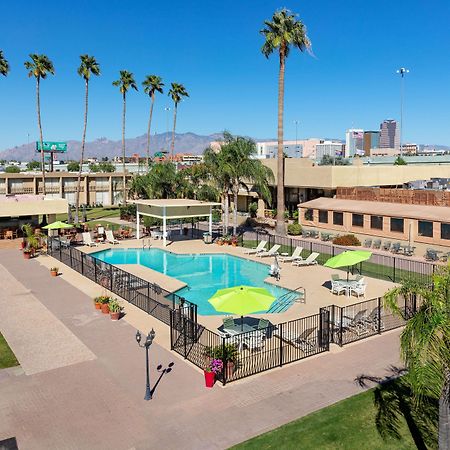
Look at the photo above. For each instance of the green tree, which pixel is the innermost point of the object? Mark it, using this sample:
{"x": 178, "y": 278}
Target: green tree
{"x": 4, "y": 65}
{"x": 94, "y": 168}
{"x": 39, "y": 67}
{"x": 425, "y": 343}
{"x": 88, "y": 67}
{"x": 176, "y": 92}
{"x": 151, "y": 84}
{"x": 328, "y": 160}
{"x": 33, "y": 165}
{"x": 73, "y": 166}
{"x": 12, "y": 169}
{"x": 400, "y": 161}
{"x": 124, "y": 83}
{"x": 106, "y": 167}
{"x": 282, "y": 33}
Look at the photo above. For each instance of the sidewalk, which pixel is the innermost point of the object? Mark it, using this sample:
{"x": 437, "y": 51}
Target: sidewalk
{"x": 98, "y": 404}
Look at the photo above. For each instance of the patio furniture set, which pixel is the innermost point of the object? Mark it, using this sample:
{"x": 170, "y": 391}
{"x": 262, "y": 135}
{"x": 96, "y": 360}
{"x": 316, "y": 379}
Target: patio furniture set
{"x": 360, "y": 323}
{"x": 349, "y": 287}
{"x": 436, "y": 255}
{"x": 296, "y": 259}
{"x": 397, "y": 247}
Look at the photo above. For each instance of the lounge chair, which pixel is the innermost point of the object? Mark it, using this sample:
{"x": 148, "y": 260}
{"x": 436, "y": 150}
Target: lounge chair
{"x": 296, "y": 254}
{"x": 387, "y": 245}
{"x": 304, "y": 341}
{"x": 309, "y": 261}
{"x": 356, "y": 324}
{"x": 255, "y": 250}
{"x": 87, "y": 240}
{"x": 368, "y": 243}
{"x": 110, "y": 237}
{"x": 396, "y": 247}
{"x": 272, "y": 252}
{"x": 373, "y": 320}
{"x": 376, "y": 244}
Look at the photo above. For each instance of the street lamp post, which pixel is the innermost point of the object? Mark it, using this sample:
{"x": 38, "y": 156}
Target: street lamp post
{"x": 146, "y": 345}
{"x": 402, "y": 72}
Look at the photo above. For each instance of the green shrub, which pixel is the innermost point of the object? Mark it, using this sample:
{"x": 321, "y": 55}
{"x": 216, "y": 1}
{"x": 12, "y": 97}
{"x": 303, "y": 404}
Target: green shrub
{"x": 347, "y": 239}
{"x": 294, "y": 229}
{"x": 253, "y": 209}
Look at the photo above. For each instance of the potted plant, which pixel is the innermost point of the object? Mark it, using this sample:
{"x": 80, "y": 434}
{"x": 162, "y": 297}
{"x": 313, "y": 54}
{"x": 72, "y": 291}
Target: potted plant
{"x": 54, "y": 271}
{"x": 213, "y": 368}
{"x": 97, "y": 302}
{"x": 114, "y": 309}
{"x": 104, "y": 300}
{"x": 31, "y": 241}
{"x": 27, "y": 253}
{"x": 220, "y": 241}
{"x": 228, "y": 353}
{"x": 234, "y": 241}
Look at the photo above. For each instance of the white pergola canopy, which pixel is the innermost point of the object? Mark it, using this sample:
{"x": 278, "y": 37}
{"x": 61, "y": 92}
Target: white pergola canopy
{"x": 172, "y": 209}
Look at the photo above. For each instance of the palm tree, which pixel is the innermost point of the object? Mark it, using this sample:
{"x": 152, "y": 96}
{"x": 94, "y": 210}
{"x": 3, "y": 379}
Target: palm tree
{"x": 177, "y": 92}
{"x": 124, "y": 83}
{"x": 425, "y": 344}
{"x": 39, "y": 67}
{"x": 152, "y": 84}
{"x": 88, "y": 67}
{"x": 282, "y": 33}
{"x": 4, "y": 65}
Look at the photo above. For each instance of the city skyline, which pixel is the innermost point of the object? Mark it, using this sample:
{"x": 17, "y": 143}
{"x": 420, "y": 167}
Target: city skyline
{"x": 231, "y": 84}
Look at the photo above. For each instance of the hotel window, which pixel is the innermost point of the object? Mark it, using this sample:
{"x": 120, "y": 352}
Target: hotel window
{"x": 397, "y": 224}
{"x": 376, "y": 222}
{"x": 338, "y": 218}
{"x": 425, "y": 228}
{"x": 309, "y": 214}
{"x": 445, "y": 230}
{"x": 323, "y": 216}
{"x": 357, "y": 220}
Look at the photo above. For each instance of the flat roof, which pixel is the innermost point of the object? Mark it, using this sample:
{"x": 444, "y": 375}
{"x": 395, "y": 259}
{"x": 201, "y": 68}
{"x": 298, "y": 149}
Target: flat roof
{"x": 173, "y": 202}
{"x": 31, "y": 205}
{"x": 432, "y": 213}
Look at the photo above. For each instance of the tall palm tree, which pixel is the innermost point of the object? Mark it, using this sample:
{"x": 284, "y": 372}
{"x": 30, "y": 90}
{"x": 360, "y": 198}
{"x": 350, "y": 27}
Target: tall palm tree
{"x": 88, "y": 67}
{"x": 177, "y": 92}
{"x": 4, "y": 65}
{"x": 282, "y": 33}
{"x": 39, "y": 67}
{"x": 124, "y": 83}
{"x": 151, "y": 84}
{"x": 425, "y": 344}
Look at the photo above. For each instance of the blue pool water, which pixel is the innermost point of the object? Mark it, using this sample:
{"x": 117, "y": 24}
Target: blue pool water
{"x": 203, "y": 274}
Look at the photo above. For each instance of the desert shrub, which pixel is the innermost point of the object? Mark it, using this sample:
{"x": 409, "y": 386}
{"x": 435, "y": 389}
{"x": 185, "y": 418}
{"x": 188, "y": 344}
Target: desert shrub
{"x": 294, "y": 229}
{"x": 347, "y": 239}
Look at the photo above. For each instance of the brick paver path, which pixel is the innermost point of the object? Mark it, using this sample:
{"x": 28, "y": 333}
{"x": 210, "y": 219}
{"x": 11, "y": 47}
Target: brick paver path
{"x": 98, "y": 404}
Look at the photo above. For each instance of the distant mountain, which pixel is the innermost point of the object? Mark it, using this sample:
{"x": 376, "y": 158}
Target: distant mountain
{"x": 184, "y": 143}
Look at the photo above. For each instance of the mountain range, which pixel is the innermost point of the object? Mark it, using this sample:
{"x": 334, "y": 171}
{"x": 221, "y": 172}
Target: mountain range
{"x": 102, "y": 147}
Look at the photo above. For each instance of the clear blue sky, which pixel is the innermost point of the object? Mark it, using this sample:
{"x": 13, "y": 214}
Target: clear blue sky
{"x": 213, "y": 48}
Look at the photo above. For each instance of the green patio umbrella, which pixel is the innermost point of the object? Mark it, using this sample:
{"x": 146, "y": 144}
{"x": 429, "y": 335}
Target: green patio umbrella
{"x": 57, "y": 225}
{"x": 242, "y": 300}
{"x": 348, "y": 258}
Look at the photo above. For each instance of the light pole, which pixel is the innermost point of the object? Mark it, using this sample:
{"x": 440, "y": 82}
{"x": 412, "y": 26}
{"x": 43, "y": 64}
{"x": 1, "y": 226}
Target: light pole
{"x": 146, "y": 345}
{"x": 167, "y": 109}
{"x": 296, "y": 122}
{"x": 402, "y": 71}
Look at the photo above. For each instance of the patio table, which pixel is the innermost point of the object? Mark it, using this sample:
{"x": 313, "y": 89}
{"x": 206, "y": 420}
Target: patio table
{"x": 348, "y": 285}
{"x": 238, "y": 329}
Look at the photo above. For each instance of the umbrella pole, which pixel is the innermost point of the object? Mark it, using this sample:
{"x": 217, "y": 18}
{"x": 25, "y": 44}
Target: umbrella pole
{"x": 242, "y": 323}
{"x": 347, "y": 271}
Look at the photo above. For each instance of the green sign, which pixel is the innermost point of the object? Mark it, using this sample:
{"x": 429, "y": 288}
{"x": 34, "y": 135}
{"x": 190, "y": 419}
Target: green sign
{"x": 49, "y": 146}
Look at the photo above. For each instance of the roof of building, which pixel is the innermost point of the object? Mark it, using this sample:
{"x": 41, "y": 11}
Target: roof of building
{"x": 30, "y": 205}
{"x": 173, "y": 202}
{"x": 432, "y": 213}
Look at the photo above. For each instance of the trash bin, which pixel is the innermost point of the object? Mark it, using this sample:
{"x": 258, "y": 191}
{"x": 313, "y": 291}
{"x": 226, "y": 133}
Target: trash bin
{"x": 207, "y": 238}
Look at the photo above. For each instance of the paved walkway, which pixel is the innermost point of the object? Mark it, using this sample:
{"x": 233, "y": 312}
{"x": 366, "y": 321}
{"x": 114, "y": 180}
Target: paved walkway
{"x": 98, "y": 404}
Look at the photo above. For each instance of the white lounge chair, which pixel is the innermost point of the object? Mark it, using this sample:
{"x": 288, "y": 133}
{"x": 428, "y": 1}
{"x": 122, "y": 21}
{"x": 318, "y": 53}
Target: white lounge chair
{"x": 110, "y": 237}
{"x": 309, "y": 261}
{"x": 87, "y": 240}
{"x": 296, "y": 255}
{"x": 272, "y": 252}
{"x": 260, "y": 248}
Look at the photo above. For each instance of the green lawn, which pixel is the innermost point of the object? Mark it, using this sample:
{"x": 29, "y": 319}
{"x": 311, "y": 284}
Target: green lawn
{"x": 7, "y": 358}
{"x": 95, "y": 213}
{"x": 349, "y": 424}
{"x": 106, "y": 224}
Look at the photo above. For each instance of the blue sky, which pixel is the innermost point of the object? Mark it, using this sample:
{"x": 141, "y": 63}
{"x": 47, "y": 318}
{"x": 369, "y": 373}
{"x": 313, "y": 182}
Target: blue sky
{"x": 213, "y": 48}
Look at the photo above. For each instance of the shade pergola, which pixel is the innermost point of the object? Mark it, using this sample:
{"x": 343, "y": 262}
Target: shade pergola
{"x": 172, "y": 209}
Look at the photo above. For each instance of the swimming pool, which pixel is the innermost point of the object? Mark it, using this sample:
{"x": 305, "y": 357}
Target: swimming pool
{"x": 204, "y": 274}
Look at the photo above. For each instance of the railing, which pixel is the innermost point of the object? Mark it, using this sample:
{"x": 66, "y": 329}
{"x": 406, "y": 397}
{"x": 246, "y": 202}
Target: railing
{"x": 150, "y": 297}
{"x": 384, "y": 267}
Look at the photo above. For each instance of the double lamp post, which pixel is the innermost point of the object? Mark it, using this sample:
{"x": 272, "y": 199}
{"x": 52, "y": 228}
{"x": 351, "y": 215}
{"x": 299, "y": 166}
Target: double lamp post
{"x": 146, "y": 345}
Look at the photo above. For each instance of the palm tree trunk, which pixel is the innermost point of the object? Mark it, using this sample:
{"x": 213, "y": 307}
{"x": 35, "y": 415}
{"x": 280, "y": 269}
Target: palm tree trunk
{"x": 235, "y": 200}
{"x": 124, "y": 178}
{"x": 83, "y": 140}
{"x": 444, "y": 419}
{"x": 172, "y": 145}
{"x": 226, "y": 213}
{"x": 38, "y": 105}
{"x": 281, "y": 225}
{"x": 148, "y": 131}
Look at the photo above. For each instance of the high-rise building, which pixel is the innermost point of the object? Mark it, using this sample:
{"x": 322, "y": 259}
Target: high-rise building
{"x": 354, "y": 142}
{"x": 389, "y": 134}
{"x": 371, "y": 140}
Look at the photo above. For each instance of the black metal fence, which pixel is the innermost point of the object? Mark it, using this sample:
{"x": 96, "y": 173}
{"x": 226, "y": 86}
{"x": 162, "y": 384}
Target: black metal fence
{"x": 384, "y": 267}
{"x": 150, "y": 297}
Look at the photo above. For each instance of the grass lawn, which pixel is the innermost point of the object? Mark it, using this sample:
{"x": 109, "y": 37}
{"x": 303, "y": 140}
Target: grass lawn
{"x": 111, "y": 226}
{"x": 7, "y": 358}
{"x": 349, "y": 424}
{"x": 95, "y": 213}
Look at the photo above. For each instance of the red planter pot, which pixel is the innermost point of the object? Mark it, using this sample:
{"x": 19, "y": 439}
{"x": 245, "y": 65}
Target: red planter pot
{"x": 27, "y": 255}
{"x": 209, "y": 379}
{"x": 114, "y": 315}
{"x": 54, "y": 273}
{"x": 105, "y": 308}
{"x": 98, "y": 305}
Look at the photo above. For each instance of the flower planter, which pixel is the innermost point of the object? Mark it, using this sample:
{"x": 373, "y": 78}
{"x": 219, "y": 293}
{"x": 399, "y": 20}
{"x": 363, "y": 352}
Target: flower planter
{"x": 209, "y": 379}
{"x": 54, "y": 273}
{"x": 105, "y": 308}
{"x": 98, "y": 305}
{"x": 23, "y": 245}
{"x": 114, "y": 315}
{"x": 27, "y": 255}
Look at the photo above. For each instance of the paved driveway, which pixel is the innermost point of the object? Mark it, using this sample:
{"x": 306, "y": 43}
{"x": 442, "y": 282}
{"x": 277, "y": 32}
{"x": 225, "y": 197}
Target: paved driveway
{"x": 98, "y": 403}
